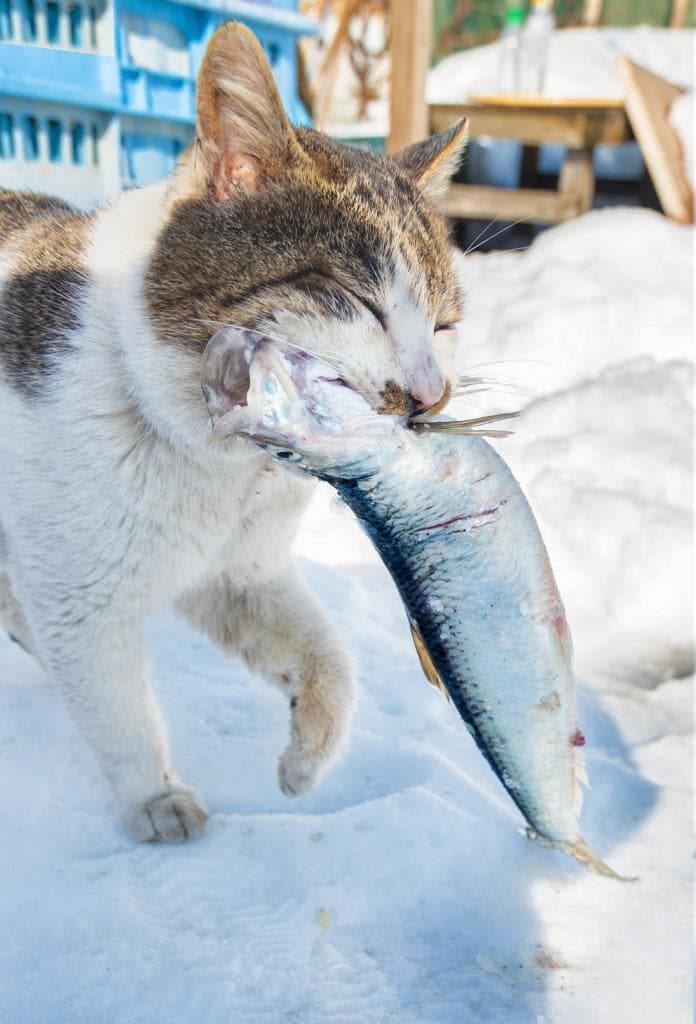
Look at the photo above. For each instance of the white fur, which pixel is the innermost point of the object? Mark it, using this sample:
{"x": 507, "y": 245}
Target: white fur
{"x": 412, "y": 332}
{"x": 115, "y": 501}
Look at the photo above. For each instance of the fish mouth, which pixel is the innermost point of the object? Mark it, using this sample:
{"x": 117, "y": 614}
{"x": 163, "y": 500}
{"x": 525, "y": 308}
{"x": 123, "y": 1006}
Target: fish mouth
{"x": 234, "y": 356}
{"x": 225, "y": 377}
{"x": 265, "y": 389}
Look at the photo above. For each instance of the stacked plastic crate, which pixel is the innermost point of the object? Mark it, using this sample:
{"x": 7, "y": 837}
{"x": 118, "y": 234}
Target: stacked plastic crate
{"x": 100, "y": 94}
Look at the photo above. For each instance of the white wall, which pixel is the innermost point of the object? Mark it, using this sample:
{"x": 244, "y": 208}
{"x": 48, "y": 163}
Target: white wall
{"x": 104, "y": 43}
{"x": 83, "y": 184}
{"x": 156, "y": 45}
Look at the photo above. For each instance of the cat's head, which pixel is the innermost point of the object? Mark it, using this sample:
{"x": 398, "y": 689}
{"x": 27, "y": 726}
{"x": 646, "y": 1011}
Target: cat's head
{"x": 338, "y": 250}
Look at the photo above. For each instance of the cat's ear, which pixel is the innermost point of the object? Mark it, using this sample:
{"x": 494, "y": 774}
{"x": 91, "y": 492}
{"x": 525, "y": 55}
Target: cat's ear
{"x": 243, "y": 135}
{"x": 433, "y": 161}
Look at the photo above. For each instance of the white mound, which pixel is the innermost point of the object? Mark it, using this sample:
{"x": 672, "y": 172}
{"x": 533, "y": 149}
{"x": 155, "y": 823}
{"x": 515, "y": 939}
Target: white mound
{"x": 581, "y": 63}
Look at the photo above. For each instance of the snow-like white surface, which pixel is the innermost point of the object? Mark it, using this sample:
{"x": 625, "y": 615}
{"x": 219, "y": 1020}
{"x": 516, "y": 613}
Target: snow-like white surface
{"x": 401, "y": 889}
{"x": 581, "y": 63}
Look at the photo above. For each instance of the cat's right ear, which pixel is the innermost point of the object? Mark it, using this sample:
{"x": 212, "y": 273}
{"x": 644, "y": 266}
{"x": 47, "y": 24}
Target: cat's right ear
{"x": 243, "y": 135}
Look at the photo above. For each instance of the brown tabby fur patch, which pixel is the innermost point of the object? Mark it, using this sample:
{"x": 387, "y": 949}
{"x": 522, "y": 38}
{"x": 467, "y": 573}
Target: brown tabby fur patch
{"x": 41, "y": 299}
{"x": 320, "y": 239}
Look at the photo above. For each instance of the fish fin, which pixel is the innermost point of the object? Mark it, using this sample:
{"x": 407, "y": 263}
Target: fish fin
{"x": 583, "y": 853}
{"x": 578, "y": 796}
{"x": 470, "y": 426}
{"x": 429, "y": 670}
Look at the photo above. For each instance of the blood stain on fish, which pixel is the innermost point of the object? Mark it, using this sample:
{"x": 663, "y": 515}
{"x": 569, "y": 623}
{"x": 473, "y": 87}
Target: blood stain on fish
{"x": 461, "y": 518}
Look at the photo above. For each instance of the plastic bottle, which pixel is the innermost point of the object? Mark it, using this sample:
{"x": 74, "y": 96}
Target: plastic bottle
{"x": 536, "y": 37}
{"x": 510, "y": 46}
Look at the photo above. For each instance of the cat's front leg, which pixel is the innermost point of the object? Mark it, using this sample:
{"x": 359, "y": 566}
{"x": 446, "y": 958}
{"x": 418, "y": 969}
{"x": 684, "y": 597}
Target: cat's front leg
{"x": 99, "y": 666}
{"x": 280, "y": 631}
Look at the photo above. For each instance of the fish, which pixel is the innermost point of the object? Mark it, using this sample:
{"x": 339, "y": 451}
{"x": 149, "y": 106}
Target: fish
{"x": 458, "y": 536}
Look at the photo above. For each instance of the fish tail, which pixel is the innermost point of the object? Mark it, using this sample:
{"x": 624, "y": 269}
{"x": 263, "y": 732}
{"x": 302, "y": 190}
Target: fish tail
{"x": 583, "y": 853}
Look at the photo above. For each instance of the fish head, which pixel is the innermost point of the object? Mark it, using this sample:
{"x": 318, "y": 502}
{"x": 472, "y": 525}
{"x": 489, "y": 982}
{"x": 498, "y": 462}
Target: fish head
{"x": 294, "y": 405}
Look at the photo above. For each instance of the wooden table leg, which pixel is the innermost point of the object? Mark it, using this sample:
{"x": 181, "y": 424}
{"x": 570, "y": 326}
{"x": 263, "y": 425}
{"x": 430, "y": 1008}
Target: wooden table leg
{"x": 411, "y": 25}
{"x": 530, "y": 166}
{"x": 576, "y": 180}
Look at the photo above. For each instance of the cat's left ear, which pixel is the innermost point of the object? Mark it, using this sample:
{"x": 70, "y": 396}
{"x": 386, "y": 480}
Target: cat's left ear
{"x": 433, "y": 161}
{"x": 243, "y": 136}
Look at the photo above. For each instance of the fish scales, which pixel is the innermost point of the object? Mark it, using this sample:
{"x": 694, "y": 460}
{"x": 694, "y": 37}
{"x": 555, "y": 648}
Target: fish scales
{"x": 486, "y": 615}
{"x": 461, "y": 543}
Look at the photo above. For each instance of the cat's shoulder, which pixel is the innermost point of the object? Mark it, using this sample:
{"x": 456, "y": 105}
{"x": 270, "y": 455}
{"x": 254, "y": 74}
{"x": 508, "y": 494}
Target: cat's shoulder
{"x": 44, "y": 276}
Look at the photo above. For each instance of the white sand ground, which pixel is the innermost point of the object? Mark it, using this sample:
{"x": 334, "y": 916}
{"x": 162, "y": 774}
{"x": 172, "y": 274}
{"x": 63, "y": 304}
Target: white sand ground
{"x": 401, "y": 890}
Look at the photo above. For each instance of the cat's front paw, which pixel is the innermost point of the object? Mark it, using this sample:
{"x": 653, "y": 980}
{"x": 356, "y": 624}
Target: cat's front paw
{"x": 319, "y": 722}
{"x": 297, "y": 772}
{"x": 169, "y": 817}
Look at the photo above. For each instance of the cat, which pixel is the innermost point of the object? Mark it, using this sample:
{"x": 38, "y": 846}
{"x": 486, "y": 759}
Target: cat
{"x": 114, "y": 498}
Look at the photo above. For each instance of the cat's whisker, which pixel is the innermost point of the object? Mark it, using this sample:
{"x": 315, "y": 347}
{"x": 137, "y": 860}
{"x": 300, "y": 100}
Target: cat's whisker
{"x": 467, "y": 393}
{"x": 515, "y": 248}
{"x": 522, "y": 359}
{"x": 485, "y": 241}
{"x": 500, "y": 383}
{"x": 472, "y": 245}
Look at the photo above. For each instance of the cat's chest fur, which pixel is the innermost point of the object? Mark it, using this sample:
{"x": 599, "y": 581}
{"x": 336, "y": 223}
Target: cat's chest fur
{"x": 141, "y": 523}
{"x": 114, "y": 494}
{"x": 238, "y": 517}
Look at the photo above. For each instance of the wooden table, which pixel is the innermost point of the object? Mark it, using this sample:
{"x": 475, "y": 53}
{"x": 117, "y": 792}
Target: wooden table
{"x": 578, "y": 124}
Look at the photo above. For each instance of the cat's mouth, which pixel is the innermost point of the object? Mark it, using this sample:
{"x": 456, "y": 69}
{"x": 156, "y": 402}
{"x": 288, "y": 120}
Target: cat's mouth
{"x": 273, "y": 392}
{"x": 225, "y": 375}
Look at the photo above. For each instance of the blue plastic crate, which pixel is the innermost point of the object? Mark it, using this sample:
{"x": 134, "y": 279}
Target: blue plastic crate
{"x": 136, "y": 66}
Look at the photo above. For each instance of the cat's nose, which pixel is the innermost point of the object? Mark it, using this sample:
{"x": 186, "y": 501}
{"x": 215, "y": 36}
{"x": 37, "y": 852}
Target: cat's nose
{"x": 426, "y": 383}
{"x": 427, "y": 394}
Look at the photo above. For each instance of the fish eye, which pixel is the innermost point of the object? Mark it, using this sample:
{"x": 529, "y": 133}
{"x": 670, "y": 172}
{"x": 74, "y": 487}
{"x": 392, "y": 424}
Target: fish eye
{"x": 287, "y": 454}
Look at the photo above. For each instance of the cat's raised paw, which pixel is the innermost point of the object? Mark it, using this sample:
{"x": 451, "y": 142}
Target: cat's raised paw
{"x": 169, "y": 817}
{"x": 297, "y": 773}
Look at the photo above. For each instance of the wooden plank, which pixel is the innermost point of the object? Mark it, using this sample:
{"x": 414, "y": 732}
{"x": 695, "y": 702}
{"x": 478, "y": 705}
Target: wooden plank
{"x": 648, "y": 99}
{"x": 325, "y": 78}
{"x": 411, "y": 22}
{"x": 678, "y": 16}
{"x": 534, "y": 126}
{"x": 609, "y": 129}
{"x": 548, "y": 102}
{"x": 535, "y": 206}
{"x": 576, "y": 179}
{"x": 592, "y": 13}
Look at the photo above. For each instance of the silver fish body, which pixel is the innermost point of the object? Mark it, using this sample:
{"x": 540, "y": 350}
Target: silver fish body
{"x": 460, "y": 541}
{"x": 454, "y": 529}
